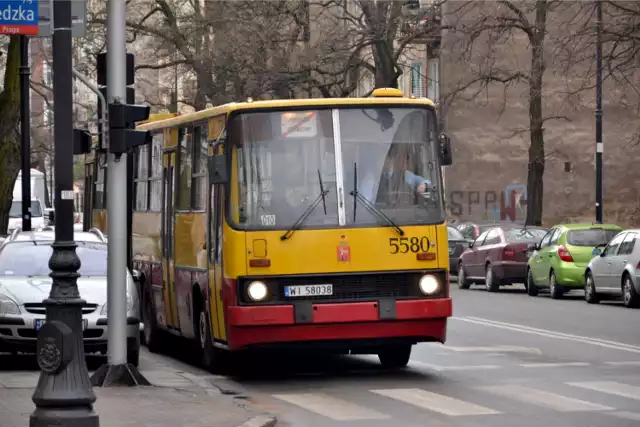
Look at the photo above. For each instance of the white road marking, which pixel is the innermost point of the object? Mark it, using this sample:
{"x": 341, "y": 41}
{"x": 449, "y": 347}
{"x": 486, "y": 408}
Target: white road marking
{"x": 550, "y": 334}
{"x": 610, "y": 387}
{"x": 331, "y": 407}
{"x": 553, "y": 365}
{"x": 627, "y": 415}
{"x": 543, "y": 398}
{"x": 435, "y": 402}
{"x": 496, "y": 349}
{"x": 440, "y": 368}
{"x": 629, "y": 363}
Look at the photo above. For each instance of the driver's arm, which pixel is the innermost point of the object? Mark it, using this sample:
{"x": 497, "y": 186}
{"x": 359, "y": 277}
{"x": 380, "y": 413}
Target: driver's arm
{"x": 416, "y": 181}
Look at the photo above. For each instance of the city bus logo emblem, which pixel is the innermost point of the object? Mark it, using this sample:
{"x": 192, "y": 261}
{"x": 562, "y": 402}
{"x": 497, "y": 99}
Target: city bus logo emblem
{"x": 344, "y": 253}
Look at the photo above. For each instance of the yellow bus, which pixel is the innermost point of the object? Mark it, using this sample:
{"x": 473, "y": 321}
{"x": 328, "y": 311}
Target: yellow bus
{"x": 284, "y": 223}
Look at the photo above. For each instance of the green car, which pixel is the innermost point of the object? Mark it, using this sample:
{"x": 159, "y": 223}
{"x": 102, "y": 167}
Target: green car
{"x": 559, "y": 261}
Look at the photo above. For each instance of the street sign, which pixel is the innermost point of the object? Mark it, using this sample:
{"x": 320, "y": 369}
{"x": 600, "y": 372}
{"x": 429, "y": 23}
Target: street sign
{"x": 19, "y": 17}
{"x": 78, "y": 17}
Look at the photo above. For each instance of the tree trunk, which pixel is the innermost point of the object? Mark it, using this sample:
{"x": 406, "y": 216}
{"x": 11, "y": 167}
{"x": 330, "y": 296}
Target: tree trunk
{"x": 535, "y": 178}
{"x": 9, "y": 141}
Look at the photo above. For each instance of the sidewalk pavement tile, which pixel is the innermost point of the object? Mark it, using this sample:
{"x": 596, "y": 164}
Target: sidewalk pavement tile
{"x": 146, "y": 406}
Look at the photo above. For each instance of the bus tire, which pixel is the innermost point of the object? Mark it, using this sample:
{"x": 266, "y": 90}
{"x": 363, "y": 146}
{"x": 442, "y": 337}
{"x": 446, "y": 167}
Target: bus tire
{"x": 213, "y": 359}
{"x": 395, "y": 356}
{"x": 152, "y": 335}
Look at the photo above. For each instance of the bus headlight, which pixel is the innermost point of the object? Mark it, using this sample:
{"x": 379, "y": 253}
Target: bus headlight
{"x": 257, "y": 291}
{"x": 429, "y": 284}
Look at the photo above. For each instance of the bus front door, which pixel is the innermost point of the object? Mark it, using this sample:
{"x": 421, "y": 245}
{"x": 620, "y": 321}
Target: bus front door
{"x": 168, "y": 241}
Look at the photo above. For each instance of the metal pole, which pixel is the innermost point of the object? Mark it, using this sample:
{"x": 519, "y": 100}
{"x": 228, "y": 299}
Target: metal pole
{"x": 116, "y": 191}
{"x": 598, "y": 112}
{"x": 103, "y": 117}
{"x": 63, "y": 396}
{"x": 25, "y": 135}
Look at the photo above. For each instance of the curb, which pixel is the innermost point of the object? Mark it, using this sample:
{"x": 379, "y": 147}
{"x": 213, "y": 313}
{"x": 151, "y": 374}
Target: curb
{"x": 260, "y": 421}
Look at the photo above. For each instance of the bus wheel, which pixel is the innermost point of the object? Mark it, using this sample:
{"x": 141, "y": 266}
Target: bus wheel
{"x": 152, "y": 335}
{"x": 395, "y": 356}
{"x": 213, "y": 359}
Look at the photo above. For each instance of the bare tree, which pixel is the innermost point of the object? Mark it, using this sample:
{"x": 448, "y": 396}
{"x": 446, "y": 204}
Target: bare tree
{"x": 9, "y": 120}
{"x": 484, "y": 35}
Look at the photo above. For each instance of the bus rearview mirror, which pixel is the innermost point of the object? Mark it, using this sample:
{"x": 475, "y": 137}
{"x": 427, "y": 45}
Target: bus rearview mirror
{"x": 446, "y": 156}
{"x": 218, "y": 169}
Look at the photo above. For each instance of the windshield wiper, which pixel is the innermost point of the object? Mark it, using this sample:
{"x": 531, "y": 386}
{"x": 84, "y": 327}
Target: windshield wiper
{"x": 306, "y": 213}
{"x": 322, "y": 193}
{"x": 370, "y": 206}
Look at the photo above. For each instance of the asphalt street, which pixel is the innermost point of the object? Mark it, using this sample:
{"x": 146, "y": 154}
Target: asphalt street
{"x": 510, "y": 359}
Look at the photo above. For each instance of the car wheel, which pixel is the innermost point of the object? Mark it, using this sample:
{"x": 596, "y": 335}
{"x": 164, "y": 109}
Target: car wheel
{"x": 630, "y": 296}
{"x": 554, "y": 289}
{"x": 590, "y": 294}
{"x": 490, "y": 281}
{"x": 395, "y": 356}
{"x": 532, "y": 289}
{"x": 463, "y": 282}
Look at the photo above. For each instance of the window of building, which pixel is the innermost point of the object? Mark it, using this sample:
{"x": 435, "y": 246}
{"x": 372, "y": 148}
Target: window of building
{"x": 417, "y": 80}
{"x": 100, "y": 197}
{"x": 155, "y": 177}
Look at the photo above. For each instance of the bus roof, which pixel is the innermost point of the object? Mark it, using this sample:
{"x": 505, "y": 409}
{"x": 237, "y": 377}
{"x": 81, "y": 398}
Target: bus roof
{"x": 281, "y": 103}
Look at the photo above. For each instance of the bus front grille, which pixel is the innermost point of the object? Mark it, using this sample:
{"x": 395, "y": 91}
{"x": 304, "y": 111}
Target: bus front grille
{"x": 346, "y": 287}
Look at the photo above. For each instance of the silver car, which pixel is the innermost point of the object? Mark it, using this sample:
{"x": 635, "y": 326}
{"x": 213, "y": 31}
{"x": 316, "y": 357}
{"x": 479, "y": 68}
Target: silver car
{"x": 25, "y": 282}
{"x": 615, "y": 271}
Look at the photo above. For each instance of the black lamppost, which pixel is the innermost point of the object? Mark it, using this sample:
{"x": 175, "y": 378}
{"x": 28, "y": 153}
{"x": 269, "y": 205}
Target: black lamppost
{"x": 598, "y": 112}
{"x": 25, "y": 136}
{"x": 63, "y": 396}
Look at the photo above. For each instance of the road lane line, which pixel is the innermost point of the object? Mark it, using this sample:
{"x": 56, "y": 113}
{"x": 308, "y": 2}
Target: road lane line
{"x": 551, "y": 334}
{"x": 331, "y": 407}
{"x": 496, "y": 349}
{"x": 634, "y": 416}
{"x": 440, "y": 368}
{"x": 435, "y": 402}
{"x": 610, "y": 387}
{"x": 553, "y": 365}
{"x": 629, "y": 363}
{"x": 543, "y": 398}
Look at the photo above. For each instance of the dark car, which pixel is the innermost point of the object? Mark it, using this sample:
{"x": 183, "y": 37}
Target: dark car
{"x": 472, "y": 229}
{"x": 498, "y": 257}
{"x": 457, "y": 245}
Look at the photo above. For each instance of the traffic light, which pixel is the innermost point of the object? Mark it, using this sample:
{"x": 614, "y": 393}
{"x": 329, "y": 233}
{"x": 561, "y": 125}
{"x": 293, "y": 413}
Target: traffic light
{"x": 102, "y": 86}
{"x": 122, "y": 123}
{"x": 81, "y": 142}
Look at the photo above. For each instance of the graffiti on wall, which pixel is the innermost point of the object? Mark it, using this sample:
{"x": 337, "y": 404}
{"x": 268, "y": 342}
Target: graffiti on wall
{"x": 509, "y": 204}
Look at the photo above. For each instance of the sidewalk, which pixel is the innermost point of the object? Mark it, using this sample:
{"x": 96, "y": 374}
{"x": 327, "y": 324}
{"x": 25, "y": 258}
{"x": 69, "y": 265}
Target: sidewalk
{"x": 175, "y": 399}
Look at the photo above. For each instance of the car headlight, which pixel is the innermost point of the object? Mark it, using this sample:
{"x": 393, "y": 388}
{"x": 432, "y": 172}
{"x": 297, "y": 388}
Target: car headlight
{"x": 257, "y": 291}
{"x": 105, "y": 309}
{"x": 8, "y": 306}
{"x": 429, "y": 284}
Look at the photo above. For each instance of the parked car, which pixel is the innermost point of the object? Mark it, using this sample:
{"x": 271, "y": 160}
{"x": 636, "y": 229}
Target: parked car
{"x": 498, "y": 257}
{"x": 25, "y": 282}
{"x": 457, "y": 245}
{"x": 615, "y": 271}
{"x": 560, "y": 259}
{"x": 471, "y": 230}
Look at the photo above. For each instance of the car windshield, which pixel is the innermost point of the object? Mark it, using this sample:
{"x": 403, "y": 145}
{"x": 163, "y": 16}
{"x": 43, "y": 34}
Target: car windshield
{"x": 283, "y": 160}
{"x": 590, "y": 237}
{"x": 515, "y": 235}
{"x": 27, "y": 259}
{"x": 454, "y": 234}
{"x": 16, "y": 209}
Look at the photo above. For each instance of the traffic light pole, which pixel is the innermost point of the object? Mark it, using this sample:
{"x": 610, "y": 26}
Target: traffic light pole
{"x": 117, "y": 371}
{"x": 598, "y": 113}
{"x": 63, "y": 396}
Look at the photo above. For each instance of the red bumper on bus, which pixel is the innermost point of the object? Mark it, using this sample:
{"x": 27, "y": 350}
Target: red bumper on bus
{"x": 422, "y": 320}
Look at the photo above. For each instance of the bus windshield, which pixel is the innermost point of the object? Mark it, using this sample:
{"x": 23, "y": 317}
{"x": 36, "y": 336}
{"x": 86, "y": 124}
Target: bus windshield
{"x": 383, "y": 161}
